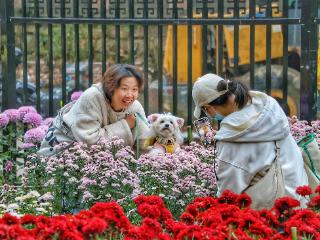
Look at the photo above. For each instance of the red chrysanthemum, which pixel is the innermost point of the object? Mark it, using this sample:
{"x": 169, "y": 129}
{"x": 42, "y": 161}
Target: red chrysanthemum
{"x": 304, "y": 190}
{"x": 94, "y": 226}
{"x": 315, "y": 202}
{"x": 152, "y": 225}
{"x": 244, "y": 200}
{"x": 69, "y": 235}
{"x": 227, "y": 196}
{"x": 187, "y": 218}
{"x": 147, "y": 210}
{"x": 192, "y": 209}
{"x": 9, "y": 219}
{"x": 28, "y": 219}
{"x": 165, "y": 215}
{"x": 317, "y": 190}
{"x": 286, "y": 203}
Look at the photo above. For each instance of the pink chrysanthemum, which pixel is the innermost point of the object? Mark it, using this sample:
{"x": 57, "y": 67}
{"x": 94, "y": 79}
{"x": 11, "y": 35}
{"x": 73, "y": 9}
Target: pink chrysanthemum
{"x": 26, "y": 109}
{"x": 27, "y": 145}
{"x": 4, "y": 120}
{"x": 32, "y": 118}
{"x": 13, "y": 115}
{"x": 34, "y": 135}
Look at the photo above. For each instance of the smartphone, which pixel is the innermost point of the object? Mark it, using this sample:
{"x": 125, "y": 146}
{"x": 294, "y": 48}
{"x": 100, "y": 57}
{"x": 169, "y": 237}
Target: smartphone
{"x": 204, "y": 130}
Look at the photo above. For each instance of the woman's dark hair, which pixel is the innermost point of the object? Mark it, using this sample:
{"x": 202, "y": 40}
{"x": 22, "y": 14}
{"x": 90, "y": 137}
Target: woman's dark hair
{"x": 115, "y": 73}
{"x": 239, "y": 89}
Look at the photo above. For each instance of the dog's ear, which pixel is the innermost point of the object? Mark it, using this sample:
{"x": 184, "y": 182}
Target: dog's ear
{"x": 153, "y": 117}
{"x": 180, "y": 122}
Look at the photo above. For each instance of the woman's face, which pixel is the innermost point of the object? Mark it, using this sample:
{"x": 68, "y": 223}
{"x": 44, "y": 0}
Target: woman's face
{"x": 125, "y": 94}
{"x": 224, "y": 110}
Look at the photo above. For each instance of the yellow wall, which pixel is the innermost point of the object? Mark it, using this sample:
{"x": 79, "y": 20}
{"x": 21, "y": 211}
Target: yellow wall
{"x": 182, "y": 53}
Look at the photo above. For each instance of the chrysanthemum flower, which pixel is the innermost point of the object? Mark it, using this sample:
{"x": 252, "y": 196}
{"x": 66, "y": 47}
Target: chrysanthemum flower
{"x": 13, "y": 115}
{"x": 34, "y": 135}
{"x": 4, "y": 120}
{"x": 32, "y": 118}
{"x": 304, "y": 190}
{"x": 26, "y": 109}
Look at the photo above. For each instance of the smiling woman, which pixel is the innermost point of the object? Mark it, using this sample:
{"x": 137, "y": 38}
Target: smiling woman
{"x": 105, "y": 110}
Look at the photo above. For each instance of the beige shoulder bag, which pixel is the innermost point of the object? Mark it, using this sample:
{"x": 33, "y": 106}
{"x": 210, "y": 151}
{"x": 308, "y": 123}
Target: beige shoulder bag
{"x": 269, "y": 188}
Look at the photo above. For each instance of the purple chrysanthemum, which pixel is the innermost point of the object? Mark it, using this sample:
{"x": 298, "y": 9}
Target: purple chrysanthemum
{"x": 4, "y": 120}
{"x": 27, "y": 145}
{"x": 9, "y": 166}
{"x": 47, "y": 121}
{"x": 34, "y": 135}
{"x": 32, "y": 118}
{"x": 13, "y": 115}
{"x": 26, "y": 109}
{"x": 76, "y": 95}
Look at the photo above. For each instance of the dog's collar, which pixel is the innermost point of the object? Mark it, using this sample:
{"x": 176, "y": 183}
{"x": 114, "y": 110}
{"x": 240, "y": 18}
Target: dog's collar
{"x": 166, "y": 141}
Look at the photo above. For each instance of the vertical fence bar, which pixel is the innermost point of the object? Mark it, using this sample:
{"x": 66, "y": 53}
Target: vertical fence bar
{"x": 50, "y": 59}
{"x": 63, "y": 54}
{"x": 190, "y": 38}
{"x": 37, "y": 55}
{"x": 104, "y": 36}
{"x": 204, "y": 38}
{"x": 145, "y": 59}
{"x": 25, "y": 53}
{"x": 8, "y": 65}
{"x": 131, "y": 32}
{"x": 220, "y": 39}
{"x": 236, "y": 37}
{"x": 118, "y": 59}
{"x": 160, "y": 57}
{"x": 308, "y": 108}
{"x": 252, "y": 15}
{"x": 175, "y": 59}
{"x": 90, "y": 35}
{"x": 9, "y": 73}
{"x": 285, "y": 57}
{"x": 76, "y": 46}
{"x": 268, "y": 49}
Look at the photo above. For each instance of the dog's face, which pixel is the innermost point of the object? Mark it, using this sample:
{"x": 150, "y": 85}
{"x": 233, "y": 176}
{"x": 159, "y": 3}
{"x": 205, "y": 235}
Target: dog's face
{"x": 165, "y": 125}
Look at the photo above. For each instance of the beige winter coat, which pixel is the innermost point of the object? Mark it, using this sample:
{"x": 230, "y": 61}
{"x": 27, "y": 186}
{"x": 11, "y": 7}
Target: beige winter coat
{"x": 90, "y": 119}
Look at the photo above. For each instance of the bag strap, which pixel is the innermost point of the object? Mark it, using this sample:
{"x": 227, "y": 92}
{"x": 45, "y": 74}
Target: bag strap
{"x": 303, "y": 143}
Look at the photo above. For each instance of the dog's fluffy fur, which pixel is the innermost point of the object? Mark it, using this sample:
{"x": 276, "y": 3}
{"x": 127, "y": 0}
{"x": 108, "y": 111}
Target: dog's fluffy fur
{"x": 165, "y": 128}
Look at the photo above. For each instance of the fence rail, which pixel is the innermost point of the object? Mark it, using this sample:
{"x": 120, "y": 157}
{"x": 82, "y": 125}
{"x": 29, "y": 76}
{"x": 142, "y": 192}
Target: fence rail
{"x": 67, "y": 45}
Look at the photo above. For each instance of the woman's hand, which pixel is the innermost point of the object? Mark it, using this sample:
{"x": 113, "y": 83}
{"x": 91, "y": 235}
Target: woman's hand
{"x": 131, "y": 120}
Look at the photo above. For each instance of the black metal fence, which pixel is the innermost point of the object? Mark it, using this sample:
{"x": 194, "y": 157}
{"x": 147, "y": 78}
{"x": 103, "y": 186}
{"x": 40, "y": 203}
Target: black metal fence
{"x": 66, "y": 45}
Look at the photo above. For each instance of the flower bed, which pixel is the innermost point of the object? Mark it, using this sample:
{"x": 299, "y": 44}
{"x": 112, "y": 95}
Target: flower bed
{"x": 82, "y": 175}
{"x": 226, "y": 217}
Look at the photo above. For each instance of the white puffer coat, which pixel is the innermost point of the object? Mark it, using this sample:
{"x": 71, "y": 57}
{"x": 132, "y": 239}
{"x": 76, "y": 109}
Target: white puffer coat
{"x": 246, "y": 146}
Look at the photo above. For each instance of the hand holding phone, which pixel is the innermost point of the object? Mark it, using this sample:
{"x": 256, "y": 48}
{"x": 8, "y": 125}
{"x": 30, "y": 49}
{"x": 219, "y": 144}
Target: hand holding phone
{"x": 204, "y": 130}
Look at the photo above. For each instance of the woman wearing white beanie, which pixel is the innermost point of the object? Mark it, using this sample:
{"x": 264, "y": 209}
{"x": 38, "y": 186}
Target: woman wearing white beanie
{"x": 256, "y": 151}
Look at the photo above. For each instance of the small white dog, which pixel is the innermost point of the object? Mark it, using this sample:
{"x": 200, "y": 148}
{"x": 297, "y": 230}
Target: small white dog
{"x": 165, "y": 135}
